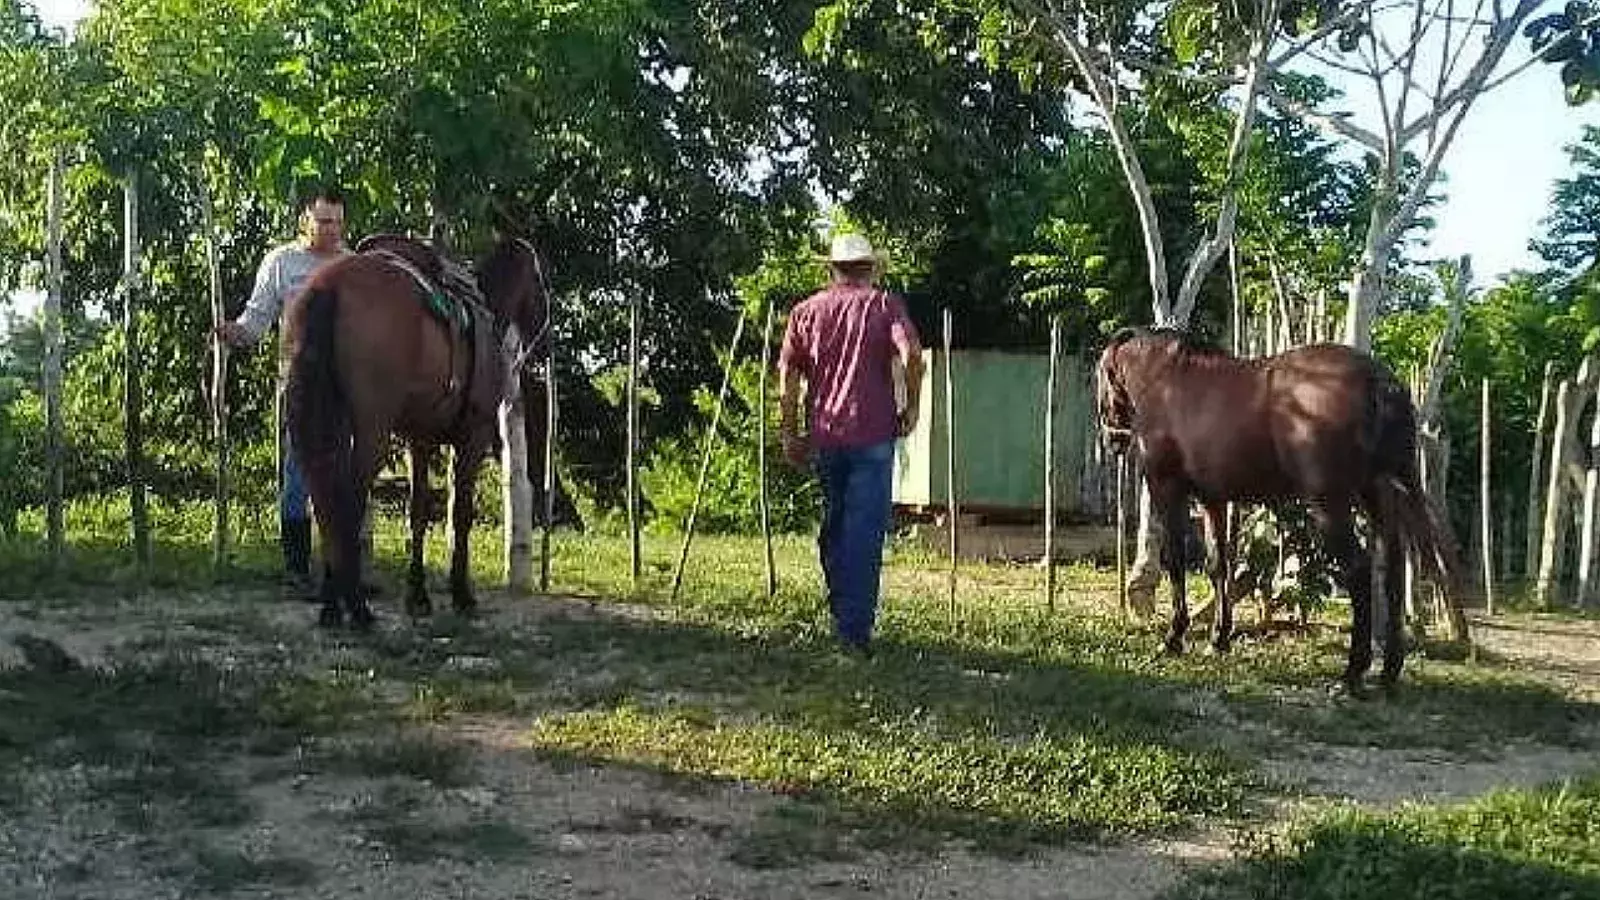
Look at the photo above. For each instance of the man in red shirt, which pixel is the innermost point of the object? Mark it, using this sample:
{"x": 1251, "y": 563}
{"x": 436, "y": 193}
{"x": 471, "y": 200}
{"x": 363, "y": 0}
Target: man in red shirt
{"x": 843, "y": 343}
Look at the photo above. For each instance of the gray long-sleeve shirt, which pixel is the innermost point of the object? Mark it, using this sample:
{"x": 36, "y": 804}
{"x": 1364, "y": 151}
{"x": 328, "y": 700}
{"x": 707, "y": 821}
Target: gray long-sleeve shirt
{"x": 281, "y": 274}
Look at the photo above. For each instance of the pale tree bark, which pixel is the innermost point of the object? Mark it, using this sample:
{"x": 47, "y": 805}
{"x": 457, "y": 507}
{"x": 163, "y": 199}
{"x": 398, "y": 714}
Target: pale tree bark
{"x": 1393, "y": 71}
{"x": 1565, "y": 476}
{"x": 1433, "y": 442}
{"x": 1098, "y": 67}
{"x": 1535, "y": 518}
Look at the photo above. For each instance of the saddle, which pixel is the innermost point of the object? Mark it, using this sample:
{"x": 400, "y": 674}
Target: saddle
{"x": 450, "y": 292}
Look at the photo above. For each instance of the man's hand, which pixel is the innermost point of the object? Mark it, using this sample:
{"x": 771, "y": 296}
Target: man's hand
{"x": 794, "y": 449}
{"x": 231, "y": 333}
{"x": 905, "y": 421}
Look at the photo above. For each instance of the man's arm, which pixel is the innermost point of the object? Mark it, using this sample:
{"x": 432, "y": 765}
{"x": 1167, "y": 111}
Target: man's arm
{"x": 266, "y": 302}
{"x": 908, "y": 350}
{"x": 791, "y": 373}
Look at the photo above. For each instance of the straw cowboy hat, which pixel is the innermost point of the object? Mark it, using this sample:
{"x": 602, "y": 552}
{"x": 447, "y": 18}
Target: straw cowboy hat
{"x": 852, "y": 248}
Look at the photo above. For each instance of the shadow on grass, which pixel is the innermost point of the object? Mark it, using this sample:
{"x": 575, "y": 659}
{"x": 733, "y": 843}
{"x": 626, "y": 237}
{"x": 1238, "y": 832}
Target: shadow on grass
{"x": 1009, "y": 728}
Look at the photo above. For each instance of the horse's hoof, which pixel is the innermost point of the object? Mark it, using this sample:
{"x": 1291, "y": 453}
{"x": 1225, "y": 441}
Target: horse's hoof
{"x": 330, "y": 616}
{"x": 1347, "y": 688}
{"x": 361, "y": 617}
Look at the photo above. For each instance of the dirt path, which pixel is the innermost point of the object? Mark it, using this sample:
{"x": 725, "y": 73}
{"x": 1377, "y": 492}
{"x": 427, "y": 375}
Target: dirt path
{"x": 526, "y": 827}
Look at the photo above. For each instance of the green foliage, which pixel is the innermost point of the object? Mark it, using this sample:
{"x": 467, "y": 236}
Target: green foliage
{"x": 1571, "y": 39}
{"x": 731, "y": 502}
{"x": 1511, "y": 844}
{"x": 1281, "y": 556}
{"x": 1572, "y": 228}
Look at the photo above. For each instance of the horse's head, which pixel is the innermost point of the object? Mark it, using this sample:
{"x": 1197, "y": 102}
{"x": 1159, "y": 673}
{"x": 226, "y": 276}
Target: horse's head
{"x": 512, "y": 278}
{"x": 1112, "y": 401}
{"x": 1132, "y": 359}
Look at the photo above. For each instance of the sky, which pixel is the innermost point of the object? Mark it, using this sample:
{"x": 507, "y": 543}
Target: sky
{"x": 1498, "y": 173}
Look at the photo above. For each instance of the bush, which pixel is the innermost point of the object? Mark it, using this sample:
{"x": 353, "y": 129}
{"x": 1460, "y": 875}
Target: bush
{"x": 732, "y": 501}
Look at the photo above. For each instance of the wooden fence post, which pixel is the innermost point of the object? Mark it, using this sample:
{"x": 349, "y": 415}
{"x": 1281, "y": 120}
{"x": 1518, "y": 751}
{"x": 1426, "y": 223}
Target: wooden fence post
{"x": 54, "y": 441}
{"x": 133, "y": 391}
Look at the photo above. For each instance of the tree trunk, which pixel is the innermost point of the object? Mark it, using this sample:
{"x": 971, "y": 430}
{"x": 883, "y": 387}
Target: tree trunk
{"x": 1366, "y": 287}
{"x": 1564, "y": 449}
{"x": 133, "y": 391}
{"x": 54, "y": 443}
{"x": 1535, "y": 518}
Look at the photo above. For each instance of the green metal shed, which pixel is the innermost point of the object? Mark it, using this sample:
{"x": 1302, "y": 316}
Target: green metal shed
{"x": 999, "y": 426}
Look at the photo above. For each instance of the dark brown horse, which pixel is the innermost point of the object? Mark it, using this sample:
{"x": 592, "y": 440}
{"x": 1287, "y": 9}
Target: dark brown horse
{"x": 374, "y": 354}
{"x": 1323, "y": 424}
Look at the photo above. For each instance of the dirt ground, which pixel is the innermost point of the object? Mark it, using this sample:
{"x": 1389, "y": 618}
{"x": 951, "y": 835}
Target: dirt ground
{"x": 599, "y": 831}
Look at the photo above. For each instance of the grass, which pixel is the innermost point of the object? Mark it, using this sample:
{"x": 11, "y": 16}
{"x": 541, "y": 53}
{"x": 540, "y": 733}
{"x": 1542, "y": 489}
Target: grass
{"x": 1509, "y": 845}
{"x": 401, "y": 819}
{"x": 1006, "y": 724}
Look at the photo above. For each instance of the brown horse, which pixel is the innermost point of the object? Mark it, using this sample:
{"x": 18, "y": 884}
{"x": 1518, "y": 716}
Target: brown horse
{"x": 372, "y": 355}
{"x": 1323, "y": 424}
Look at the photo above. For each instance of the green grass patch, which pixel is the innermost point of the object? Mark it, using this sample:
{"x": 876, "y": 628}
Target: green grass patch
{"x": 1051, "y": 786}
{"x": 1509, "y": 845}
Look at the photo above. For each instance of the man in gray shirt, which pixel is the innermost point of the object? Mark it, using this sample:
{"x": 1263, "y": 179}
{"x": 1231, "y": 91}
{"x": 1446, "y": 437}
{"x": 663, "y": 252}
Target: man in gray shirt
{"x": 281, "y": 275}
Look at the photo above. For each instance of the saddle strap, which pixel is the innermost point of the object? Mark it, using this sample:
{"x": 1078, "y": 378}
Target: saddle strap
{"x": 435, "y": 297}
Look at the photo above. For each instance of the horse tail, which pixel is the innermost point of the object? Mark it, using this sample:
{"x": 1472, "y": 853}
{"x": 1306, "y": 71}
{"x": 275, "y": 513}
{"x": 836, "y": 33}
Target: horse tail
{"x": 314, "y": 404}
{"x": 1403, "y": 501}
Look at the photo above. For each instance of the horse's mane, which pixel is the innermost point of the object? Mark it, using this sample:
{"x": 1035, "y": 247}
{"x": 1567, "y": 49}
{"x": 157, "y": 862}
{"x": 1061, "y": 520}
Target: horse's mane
{"x": 1188, "y": 341}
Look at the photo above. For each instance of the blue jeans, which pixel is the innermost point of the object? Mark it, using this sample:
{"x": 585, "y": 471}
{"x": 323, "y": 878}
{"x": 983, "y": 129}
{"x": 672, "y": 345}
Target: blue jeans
{"x": 293, "y": 498}
{"x": 855, "y": 493}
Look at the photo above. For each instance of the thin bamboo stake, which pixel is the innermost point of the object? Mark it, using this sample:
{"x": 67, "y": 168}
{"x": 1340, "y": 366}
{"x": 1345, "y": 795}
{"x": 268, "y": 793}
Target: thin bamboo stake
{"x": 705, "y": 458}
{"x": 133, "y": 392}
{"x": 219, "y": 382}
{"x": 1483, "y": 483}
{"x": 54, "y": 445}
{"x": 952, "y": 505}
{"x": 1236, "y": 337}
{"x": 1536, "y": 486}
{"x": 761, "y": 459}
{"x": 635, "y": 556}
{"x": 1122, "y": 535}
{"x": 551, "y": 419}
{"x": 1050, "y": 467}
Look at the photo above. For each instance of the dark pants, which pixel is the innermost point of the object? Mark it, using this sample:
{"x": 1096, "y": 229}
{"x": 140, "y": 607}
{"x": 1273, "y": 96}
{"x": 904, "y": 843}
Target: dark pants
{"x": 855, "y": 490}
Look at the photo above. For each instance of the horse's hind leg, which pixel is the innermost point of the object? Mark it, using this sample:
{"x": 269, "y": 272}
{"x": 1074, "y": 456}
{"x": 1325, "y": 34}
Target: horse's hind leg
{"x": 1218, "y": 566}
{"x": 1175, "y": 517}
{"x": 1355, "y": 573}
{"x": 365, "y": 457}
{"x": 417, "y": 601}
{"x": 1394, "y": 641}
{"x": 468, "y": 457}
